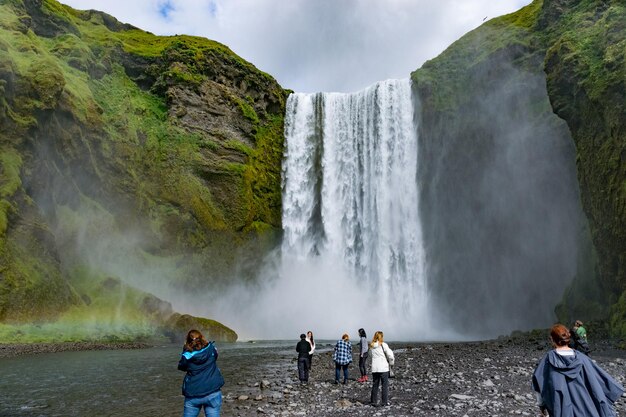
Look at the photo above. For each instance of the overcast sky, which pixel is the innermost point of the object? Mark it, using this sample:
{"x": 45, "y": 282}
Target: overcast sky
{"x": 317, "y": 45}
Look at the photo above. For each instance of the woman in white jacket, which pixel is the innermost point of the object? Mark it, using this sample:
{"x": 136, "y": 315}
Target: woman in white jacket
{"x": 382, "y": 358}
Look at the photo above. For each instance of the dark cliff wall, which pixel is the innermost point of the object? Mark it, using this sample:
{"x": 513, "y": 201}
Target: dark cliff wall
{"x": 130, "y": 155}
{"x": 585, "y": 65}
{"x": 501, "y": 198}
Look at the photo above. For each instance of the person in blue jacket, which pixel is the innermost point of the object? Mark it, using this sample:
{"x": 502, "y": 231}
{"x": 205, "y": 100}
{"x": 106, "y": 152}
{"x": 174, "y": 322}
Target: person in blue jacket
{"x": 568, "y": 383}
{"x": 203, "y": 382}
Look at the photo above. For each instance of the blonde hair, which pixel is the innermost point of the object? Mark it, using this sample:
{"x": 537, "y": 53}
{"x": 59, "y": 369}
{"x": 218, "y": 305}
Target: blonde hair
{"x": 345, "y": 336}
{"x": 378, "y": 337}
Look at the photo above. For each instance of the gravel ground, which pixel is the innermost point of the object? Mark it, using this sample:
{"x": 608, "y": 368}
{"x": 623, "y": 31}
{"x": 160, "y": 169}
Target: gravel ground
{"x": 490, "y": 378}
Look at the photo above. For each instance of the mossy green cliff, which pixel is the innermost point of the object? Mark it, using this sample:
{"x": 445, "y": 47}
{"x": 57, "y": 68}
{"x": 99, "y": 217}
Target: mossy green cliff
{"x": 562, "y": 58}
{"x": 130, "y": 155}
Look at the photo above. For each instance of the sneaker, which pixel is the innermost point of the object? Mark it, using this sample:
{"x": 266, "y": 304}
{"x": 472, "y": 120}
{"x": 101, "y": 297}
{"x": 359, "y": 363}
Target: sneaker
{"x": 365, "y": 379}
{"x": 361, "y": 379}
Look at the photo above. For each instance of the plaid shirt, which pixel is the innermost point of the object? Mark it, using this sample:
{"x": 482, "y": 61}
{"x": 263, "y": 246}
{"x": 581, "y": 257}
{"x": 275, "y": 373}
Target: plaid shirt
{"x": 343, "y": 352}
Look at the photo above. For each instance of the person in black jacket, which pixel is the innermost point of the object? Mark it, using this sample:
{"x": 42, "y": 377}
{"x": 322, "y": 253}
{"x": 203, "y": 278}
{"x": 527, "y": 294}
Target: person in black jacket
{"x": 203, "y": 382}
{"x": 303, "y": 348}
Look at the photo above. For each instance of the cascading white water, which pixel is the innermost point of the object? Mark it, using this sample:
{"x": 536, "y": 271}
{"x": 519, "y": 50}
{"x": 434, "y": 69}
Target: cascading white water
{"x": 350, "y": 197}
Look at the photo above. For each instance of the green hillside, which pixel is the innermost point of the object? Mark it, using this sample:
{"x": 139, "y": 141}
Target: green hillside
{"x": 150, "y": 160}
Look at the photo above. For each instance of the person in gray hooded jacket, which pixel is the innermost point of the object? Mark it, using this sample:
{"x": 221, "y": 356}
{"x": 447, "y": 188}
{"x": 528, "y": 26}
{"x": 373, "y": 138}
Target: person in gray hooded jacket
{"x": 570, "y": 384}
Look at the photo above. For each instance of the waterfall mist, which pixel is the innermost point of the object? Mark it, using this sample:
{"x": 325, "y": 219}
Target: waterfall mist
{"x": 352, "y": 253}
{"x": 500, "y": 204}
{"x": 469, "y": 231}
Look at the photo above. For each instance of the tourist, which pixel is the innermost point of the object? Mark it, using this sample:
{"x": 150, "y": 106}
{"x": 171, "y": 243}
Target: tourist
{"x": 382, "y": 360}
{"x": 578, "y": 336}
{"x": 568, "y": 383}
{"x": 580, "y": 330}
{"x": 309, "y": 338}
{"x": 203, "y": 382}
{"x": 363, "y": 348}
{"x": 342, "y": 357}
{"x": 303, "y": 348}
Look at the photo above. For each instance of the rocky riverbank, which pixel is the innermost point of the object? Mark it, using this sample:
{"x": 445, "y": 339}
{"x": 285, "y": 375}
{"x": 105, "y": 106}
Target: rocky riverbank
{"x": 8, "y": 350}
{"x": 490, "y": 378}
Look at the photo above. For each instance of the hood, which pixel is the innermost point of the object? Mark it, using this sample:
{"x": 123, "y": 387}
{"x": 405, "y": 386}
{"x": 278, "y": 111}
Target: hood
{"x": 569, "y": 366}
{"x": 199, "y": 356}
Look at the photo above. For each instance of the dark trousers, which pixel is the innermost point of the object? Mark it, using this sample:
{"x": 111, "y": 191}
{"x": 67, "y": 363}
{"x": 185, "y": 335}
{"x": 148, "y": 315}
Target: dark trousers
{"x": 310, "y": 361}
{"x": 303, "y": 369}
{"x": 338, "y": 368}
{"x": 384, "y": 377}
{"x": 362, "y": 361}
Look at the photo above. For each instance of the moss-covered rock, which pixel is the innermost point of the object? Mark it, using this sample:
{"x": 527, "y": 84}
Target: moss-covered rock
{"x": 178, "y": 325}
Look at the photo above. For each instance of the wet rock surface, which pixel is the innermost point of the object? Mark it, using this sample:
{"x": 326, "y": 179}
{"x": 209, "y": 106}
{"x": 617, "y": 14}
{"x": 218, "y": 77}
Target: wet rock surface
{"x": 490, "y": 378}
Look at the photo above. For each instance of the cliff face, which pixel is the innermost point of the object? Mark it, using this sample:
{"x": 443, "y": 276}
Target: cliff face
{"x": 155, "y": 160}
{"x": 585, "y": 64}
{"x": 493, "y": 108}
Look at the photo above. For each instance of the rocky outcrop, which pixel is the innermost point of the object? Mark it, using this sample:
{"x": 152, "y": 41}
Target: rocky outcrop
{"x": 178, "y": 325}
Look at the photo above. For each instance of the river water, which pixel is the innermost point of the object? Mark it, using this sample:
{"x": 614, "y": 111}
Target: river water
{"x": 143, "y": 382}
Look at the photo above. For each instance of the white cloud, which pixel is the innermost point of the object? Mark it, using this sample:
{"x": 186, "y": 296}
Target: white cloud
{"x": 317, "y": 45}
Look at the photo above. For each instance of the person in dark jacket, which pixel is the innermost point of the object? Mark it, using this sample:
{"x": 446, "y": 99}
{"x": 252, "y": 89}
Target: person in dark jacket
{"x": 363, "y": 351}
{"x": 568, "y": 383}
{"x": 203, "y": 382}
{"x": 303, "y": 348}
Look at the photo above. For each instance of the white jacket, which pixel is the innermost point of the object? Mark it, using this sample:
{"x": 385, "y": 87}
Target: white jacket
{"x": 380, "y": 361}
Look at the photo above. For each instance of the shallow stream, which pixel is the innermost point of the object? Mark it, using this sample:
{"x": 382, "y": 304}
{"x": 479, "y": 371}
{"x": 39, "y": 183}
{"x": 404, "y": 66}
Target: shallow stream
{"x": 143, "y": 382}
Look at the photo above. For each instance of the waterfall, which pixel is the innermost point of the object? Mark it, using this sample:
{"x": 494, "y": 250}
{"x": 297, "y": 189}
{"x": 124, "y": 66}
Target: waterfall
{"x": 351, "y": 200}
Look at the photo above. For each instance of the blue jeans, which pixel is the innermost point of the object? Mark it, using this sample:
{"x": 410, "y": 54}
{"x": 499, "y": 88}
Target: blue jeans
{"x": 338, "y": 368}
{"x": 211, "y": 403}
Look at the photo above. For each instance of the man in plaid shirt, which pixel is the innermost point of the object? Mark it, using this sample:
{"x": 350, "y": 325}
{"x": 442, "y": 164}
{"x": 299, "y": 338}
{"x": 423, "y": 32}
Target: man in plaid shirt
{"x": 342, "y": 357}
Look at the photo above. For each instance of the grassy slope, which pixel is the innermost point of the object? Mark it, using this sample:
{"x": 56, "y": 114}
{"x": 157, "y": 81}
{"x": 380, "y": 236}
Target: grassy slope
{"x": 93, "y": 96}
